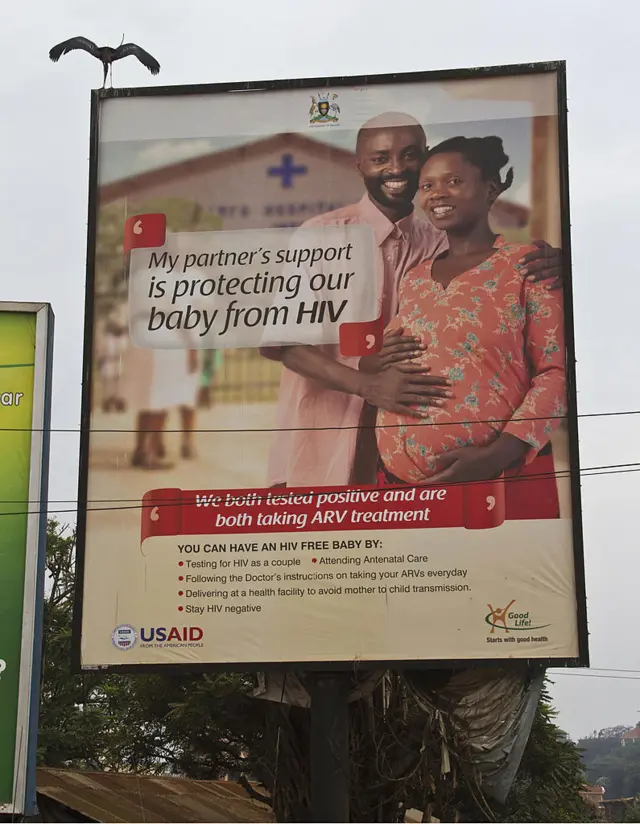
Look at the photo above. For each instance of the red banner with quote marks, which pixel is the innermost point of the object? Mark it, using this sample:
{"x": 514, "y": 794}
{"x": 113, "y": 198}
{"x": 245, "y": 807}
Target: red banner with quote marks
{"x": 530, "y": 494}
{"x": 250, "y": 511}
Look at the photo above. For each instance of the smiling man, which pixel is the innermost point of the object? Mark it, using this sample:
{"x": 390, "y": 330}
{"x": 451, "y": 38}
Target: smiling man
{"x": 326, "y": 405}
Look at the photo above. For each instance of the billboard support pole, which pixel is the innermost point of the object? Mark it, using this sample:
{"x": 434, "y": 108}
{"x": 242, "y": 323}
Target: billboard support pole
{"x": 330, "y": 762}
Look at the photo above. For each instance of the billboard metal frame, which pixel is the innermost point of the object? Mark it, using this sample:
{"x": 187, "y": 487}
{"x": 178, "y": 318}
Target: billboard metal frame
{"x": 97, "y": 96}
{"x": 24, "y": 784}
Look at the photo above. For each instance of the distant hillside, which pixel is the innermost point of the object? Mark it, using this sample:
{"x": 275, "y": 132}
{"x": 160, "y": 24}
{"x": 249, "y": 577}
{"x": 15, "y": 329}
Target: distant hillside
{"x": 609, "y": 763}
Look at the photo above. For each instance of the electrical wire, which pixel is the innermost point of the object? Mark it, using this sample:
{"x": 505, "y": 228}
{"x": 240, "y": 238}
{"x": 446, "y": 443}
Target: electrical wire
{"x": 80, "y": 430}
{"x": 569, "y": 671}
{"x": 611, "y": 669}
{"x": 587, "y": 472}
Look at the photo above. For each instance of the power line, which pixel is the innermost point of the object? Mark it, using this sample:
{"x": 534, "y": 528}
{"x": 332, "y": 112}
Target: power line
{"x": 596, "y": 675}
{"x": 609, "y": 469}
{"x": 576, "y": 670}
{"x": 417, "y": 422}
{"x": 588, "y": 472}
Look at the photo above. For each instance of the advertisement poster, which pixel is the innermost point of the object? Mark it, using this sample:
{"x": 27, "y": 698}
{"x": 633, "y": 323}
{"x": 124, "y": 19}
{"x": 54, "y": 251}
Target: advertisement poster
{"x": 330, "y": 413}
{"x": 25, "y": 364}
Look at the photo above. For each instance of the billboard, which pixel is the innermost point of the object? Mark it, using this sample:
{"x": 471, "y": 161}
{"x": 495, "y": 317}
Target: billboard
{"x": 26, "y": 333}
{"x": 330, "y": 398}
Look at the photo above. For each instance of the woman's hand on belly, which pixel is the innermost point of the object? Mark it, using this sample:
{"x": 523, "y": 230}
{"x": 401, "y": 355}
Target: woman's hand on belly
{"x": 398, "y": 388}
{"x": 480, "y": 463}
{"x": 396, "y": 348}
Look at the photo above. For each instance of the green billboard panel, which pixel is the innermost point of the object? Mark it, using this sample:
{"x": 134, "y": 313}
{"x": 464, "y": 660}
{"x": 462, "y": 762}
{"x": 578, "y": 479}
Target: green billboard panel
{"x": 25, "y": 379}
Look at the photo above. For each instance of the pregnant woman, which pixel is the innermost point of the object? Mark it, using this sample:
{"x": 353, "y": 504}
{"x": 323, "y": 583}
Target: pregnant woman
{"x": 496, "y": 335}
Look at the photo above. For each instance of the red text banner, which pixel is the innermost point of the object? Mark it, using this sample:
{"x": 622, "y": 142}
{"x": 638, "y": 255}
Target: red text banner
{"x": 198, "y": 512}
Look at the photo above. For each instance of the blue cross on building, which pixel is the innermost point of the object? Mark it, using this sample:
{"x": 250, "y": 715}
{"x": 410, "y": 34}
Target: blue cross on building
{"x": 287, "y": 171}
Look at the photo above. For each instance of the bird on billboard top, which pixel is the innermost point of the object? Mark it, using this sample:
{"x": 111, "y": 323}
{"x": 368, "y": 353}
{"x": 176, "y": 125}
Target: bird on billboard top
{"x": 106, "y": 54}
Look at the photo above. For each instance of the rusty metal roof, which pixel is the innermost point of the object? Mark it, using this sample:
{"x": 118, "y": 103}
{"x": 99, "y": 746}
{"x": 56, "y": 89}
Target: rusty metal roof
{"x": 121, "y": 797}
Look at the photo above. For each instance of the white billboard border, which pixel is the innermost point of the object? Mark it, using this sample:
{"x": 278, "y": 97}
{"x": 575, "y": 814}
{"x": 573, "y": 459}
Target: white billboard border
{"x": 98, "y": 95}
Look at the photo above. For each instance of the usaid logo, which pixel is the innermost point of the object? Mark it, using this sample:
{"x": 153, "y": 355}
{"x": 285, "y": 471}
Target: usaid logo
{"x": 165, "y": 635}
{"x": 124, "y": 637}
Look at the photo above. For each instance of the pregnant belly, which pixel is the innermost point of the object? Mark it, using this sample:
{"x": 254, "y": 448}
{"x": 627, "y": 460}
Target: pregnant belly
{"x": 412, "y": 449}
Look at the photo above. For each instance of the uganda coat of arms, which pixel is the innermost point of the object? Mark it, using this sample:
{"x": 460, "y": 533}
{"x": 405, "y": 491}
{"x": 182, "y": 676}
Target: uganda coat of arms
{"x": 324, "y": 109}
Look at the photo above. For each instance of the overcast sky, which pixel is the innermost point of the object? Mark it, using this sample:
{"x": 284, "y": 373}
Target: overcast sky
{"x": 43, "y": 206}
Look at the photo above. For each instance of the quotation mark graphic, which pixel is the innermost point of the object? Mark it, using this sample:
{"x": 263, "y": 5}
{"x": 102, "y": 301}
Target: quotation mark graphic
{"x": 361, "y": 338}
{"x": 3, "y": 666}
{"x": 155, "y": 515}
{"x": 145, "y": 232}
{"x": 491, "y": 502}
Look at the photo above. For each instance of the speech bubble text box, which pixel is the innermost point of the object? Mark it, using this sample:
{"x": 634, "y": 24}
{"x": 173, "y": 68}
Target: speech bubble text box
{"x": 244, "y": 289}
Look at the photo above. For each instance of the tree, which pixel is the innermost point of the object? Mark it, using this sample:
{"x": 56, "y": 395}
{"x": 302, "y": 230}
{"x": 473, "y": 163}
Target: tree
{"x": 206, "y": 726}
{"x": 610, "y": 764}
{"x": 632, "y": 814}
{"x": 601, "y": 743}
{"x": 197, "y": 726}
{"x": 551, "y": 775}
{"x": 398, "y": 752}
{"x": 620, "y": 770}
{"x": 71, "y": 730}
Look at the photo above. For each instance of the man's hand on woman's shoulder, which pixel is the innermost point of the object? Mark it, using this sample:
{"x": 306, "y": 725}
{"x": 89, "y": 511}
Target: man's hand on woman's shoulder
{"x": 544, "y": 264}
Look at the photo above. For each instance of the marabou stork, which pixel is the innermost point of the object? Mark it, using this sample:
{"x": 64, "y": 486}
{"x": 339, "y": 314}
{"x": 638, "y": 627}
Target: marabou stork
{"x": 106, "y": 54}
